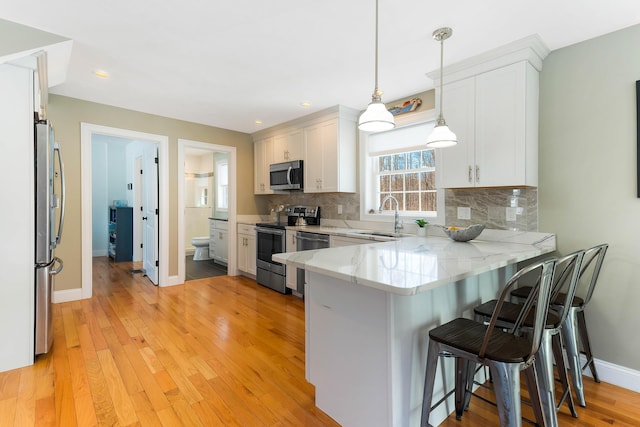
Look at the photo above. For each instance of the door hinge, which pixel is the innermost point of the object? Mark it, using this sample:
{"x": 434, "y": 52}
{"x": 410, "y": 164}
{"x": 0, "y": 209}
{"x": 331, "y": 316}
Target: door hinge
{"x": 156, "y": 211}
{"x": 141, "y": 245}
{"x": 157, "y": 263}
{"x": 140, "y": 171}
{"x": 141, "y": 210}
{"x": 155, "y": 160}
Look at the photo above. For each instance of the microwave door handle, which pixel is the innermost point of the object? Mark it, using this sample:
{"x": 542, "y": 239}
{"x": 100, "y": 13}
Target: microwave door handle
{"x": 56, "y": 148}
{"x": 289, "y": 175}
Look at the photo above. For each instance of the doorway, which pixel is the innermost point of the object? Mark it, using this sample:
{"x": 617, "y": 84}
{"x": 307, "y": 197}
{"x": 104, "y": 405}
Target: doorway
{"x": 206, "y": 189}
{"x": 153, "y": 145}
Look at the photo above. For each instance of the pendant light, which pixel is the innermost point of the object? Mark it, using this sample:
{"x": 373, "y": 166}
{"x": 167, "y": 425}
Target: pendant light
{"x": 441, "y": 136}
{"x": 376, "y": 117}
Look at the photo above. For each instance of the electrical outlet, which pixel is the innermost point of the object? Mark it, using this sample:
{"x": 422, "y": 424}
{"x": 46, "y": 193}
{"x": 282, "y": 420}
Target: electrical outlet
{"x": 464, "y": 213}
{"x": 511, "y": 214}
{"x": 339, "y": 209}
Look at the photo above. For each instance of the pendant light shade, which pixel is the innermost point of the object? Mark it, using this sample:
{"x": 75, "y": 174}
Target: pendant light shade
{"x": 376, "y": 117}
{"x": 441, "y": 136}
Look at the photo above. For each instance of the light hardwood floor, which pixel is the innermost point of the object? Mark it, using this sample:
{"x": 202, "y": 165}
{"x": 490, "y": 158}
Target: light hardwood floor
{"x": 219, "y": 351}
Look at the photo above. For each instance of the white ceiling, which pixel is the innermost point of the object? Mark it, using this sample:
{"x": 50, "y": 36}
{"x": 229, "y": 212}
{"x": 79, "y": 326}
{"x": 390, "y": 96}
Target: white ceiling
{"x": 230, "y": 63}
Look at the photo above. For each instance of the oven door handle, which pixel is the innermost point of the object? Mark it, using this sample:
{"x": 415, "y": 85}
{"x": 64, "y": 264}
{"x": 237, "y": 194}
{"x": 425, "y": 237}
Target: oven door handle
{"x": 270, "y": 231}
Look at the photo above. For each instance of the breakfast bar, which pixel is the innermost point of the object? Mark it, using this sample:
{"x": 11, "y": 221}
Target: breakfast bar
{"x": 369, "y": 308}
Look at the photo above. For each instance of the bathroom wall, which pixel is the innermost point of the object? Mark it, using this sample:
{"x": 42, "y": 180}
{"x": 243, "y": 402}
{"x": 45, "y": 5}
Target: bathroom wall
{"x": 488, "y": 206}
{"x": 198, "y": 178}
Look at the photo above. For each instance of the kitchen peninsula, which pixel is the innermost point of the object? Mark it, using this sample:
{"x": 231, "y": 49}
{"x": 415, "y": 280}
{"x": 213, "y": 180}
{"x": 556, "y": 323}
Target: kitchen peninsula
{"x": 369, "y": 308}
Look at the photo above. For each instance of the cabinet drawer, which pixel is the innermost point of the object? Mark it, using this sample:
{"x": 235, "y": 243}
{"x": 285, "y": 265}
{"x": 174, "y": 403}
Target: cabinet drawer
{"x": 246, "y": 229}
{"x": 221, "y": 225}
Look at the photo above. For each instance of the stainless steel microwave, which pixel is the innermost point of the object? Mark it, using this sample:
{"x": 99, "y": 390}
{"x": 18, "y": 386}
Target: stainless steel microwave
{"x": 286, "y": 176}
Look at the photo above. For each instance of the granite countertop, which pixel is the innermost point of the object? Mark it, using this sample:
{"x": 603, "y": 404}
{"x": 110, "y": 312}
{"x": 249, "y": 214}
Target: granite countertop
{"x": 411, "y": 265}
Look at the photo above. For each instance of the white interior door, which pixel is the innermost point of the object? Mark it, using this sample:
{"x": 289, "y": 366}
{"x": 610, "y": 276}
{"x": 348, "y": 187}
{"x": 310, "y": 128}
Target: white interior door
{"x": 138, "y": 203}
{"x": 150, "y": 210}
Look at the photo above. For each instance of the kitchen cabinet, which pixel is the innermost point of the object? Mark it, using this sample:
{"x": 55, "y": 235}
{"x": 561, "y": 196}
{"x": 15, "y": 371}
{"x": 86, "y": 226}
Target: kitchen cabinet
{"x": 262, "y": 157}
{"x": 288, "y": 146}
{"x": 330, "y": 151}
{"x": 495, "y": 117}
{"x": 120, "y": 233}
{"x": 219, "y": 240}
{"x": 292, "y": 272}
{"x": 247, "y": 248}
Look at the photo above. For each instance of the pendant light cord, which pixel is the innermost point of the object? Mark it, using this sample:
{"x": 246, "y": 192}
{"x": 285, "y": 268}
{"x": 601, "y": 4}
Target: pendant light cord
{"x": 376, "y": 96}
{"x": 440, "y": 117}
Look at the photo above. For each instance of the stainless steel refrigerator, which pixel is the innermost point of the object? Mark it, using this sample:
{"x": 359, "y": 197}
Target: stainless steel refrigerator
{"x": 49, "y": 221}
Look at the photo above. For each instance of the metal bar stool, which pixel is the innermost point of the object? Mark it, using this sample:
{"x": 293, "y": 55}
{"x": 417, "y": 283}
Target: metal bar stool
{"x": 504, "y": 352}
{"x": 575, "y": 321}
{"x": 565, "y": 280}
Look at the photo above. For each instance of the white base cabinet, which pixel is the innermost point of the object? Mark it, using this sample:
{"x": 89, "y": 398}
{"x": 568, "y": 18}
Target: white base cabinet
{"x": 247, "y": 249}
{"x": 292, "y": 272}
{"x": 219, "y": 240}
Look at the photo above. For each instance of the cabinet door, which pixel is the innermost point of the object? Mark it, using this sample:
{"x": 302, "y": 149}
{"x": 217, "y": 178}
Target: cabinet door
{"x": 292, "y": 272}
{"x": 288, "y": 146}
{"x": 500, "y": 126}
{"x": 457, "y": 163}
{"x": 321, "y": 152}
{"x": 242, "y": 252}
{"x": 263, "y": 157}
{"x": 251, "y": 254}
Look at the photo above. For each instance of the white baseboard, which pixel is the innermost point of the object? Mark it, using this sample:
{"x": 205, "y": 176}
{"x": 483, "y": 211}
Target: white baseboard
{"x": 66, "y": 295}
{"x": 615, "y": 374}
{"x": 173, "y": 281}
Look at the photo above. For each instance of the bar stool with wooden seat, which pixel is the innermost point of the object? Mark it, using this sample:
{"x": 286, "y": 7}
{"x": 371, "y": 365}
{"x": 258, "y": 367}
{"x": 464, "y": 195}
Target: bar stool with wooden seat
{"x": 504, "y": 352}
{"x": 575, "y": 321}
{"x": 565, "y": 280}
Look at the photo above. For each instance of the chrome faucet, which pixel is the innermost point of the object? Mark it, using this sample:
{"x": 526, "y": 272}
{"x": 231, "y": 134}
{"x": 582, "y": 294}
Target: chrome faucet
{"x": 396, "y": 220}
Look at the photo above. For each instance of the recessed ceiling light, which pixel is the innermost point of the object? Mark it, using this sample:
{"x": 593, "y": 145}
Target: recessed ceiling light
{"x": 258, "y": 122}
{"x": 102, "y": 74}
{"x": 305, "y": 104}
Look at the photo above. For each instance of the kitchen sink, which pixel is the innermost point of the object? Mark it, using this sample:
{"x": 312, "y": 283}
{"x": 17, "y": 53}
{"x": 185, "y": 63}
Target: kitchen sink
{"x": 376, "y": 233}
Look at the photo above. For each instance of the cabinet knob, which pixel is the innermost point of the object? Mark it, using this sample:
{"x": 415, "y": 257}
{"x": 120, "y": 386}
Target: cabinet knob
{"x": 477, "y": 173}
{"x": 470, "y": 172}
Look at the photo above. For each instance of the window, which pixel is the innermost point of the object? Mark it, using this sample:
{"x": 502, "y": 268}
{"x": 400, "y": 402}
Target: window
{"x": 410, "y": 178}
{"x": 222, "y": 183}
{"x": 397, "y": 163}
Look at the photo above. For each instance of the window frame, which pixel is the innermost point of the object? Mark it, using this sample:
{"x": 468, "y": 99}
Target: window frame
{"x": 368, "y": 178}
{"x": 219, "y": 164}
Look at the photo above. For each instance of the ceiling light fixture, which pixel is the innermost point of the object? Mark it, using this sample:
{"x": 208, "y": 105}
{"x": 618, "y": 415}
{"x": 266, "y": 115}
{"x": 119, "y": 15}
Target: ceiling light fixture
{"x": 441, "y": 136}
{"x": 102, "y": 74}
{"x": 376, "y": 117}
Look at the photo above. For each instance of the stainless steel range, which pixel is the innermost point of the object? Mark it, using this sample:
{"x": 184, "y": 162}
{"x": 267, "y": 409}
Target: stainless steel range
{"x": 271, "y": 239}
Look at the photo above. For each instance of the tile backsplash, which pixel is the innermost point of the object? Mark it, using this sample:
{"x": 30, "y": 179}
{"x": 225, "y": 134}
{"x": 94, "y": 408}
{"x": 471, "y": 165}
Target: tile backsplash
{"x": 487, "y": 206}
{"x": 498, "y": 208}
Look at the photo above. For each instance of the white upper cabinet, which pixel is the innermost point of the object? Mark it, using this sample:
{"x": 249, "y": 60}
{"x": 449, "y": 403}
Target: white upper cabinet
{"x": 492, "y": 107}
{"x": 288, "y": 146}
{"x": 330, "y": 153}
{"x": 325, "y": 141}
{"x": 262, "y": 157}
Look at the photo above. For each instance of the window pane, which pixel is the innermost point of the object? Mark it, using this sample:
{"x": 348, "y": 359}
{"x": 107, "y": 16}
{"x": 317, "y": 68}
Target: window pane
{"x": 396, "y": 182}
{"x": 427, "y": 181}
{"x": 385, "y": 183}
{"x": 414, "y": 160}
{"x": 412, "y": 181}
{"x": 428, "y": 201}
{"x": 384, "y": 163}
{"x": 399, "y": 162}
{"x": 429, "y": 158}
{"x": 412, "y": 202}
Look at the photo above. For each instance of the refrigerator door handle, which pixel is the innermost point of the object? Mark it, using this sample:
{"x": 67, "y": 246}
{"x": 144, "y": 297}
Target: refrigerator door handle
{"x": 56, "y": 147}
{"x": 53, "y": 272}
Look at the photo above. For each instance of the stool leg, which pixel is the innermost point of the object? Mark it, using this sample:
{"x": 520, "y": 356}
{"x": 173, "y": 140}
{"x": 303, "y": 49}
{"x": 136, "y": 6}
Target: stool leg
{"x": 531, "y": 376}
{"x": 544, "y": 366}
{"x": 570, "y": 341}
{"x": 462, "y": 373}
{"x": 429, "y": 381}
{"x": 586, "y": 346}
{"x": 561, "y": 364}
{"x": 506, "y": 383}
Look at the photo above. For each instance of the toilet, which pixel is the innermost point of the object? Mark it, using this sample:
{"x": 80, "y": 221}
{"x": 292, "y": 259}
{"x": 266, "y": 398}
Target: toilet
{"x": 202, "y": 248}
